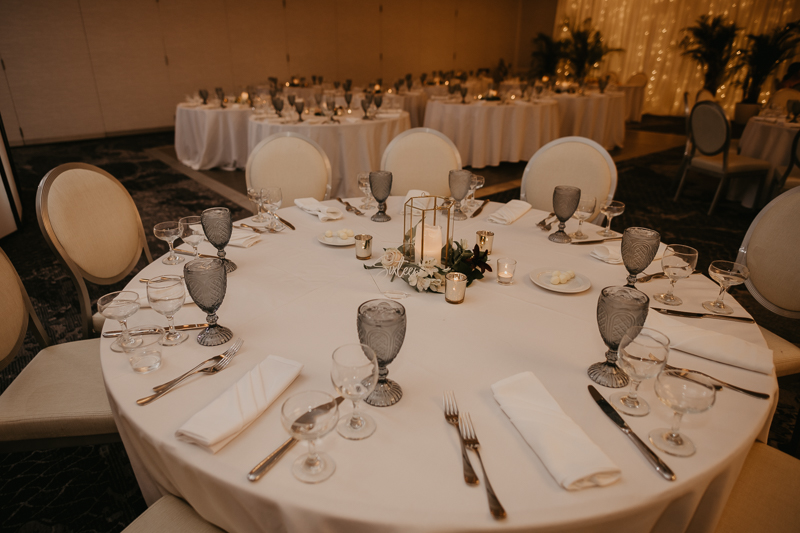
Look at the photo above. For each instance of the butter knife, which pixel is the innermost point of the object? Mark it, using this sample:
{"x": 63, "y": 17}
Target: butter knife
{"x": 689, "y": 314}
{"x": 597, "y": 241}
{"x": 180, "y": 327}
{"x": 660, "y": 466}
{"x": 480, "y": 208}
{"x": 270, "y": 460}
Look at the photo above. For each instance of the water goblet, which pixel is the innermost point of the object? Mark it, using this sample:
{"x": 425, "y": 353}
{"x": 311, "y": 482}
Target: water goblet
{"x": 192, "y": 232}
{"x": 273, "y": 197}
{"x": 463, "y": 90}
{"x": 207, "y": 280}
{"x": 166, "y": 295}
{"x": 727, "y": 274}
{"x": 639, "y": 248}
{"x": 298, "y": 106}
{"x": 382, "y": 326}
{"x": 683, "y": 391}
{"x": 257, "y": 197}
{"x": 642, "y": 355}
{"x": 120, "y": 306}
{"x": 369, "y": 96}
{"x": 363, "y": 184}
{"x": 318, "y": 99}
{"x": 308, "y": 416}
{"x": 169, "y": 231}
{"x": 565, "y": 201}
{"x": 584, "y": 210}
{"x": 348, "y": 97}
{"x": 291, "y": 98}
{"x": 365, "y": 107}
{"x": 459, "y": 187}
{"x": 611, "y": 210}
{"x": 218, "y": 227}
{"x": 380, "y": 183}
{"x": 618, "y": 310}
{"x": 354, "y": 374}
{"x": 678, "y": 262}
{"x": 378, "y": 102}
{"x": 537, "y": 90}
{"x": 277, "y": 103}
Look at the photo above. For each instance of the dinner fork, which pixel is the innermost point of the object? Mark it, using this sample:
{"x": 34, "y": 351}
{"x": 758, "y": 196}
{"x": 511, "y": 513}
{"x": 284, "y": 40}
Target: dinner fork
{"x": 543, "y": 225}
{"x": 231, "y": 349}
{"x": 351, "y": 208}
{"x": 451, "y": 415}
{"x": 471, "y": 440}
{"x": 659, "y": 275}
{"x": 253, "y": 228}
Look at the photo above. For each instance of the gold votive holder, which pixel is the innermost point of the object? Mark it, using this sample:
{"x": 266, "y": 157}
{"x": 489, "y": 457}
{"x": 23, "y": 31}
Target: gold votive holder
{"x": 505, "y": 270}
{"x": 363, "y": 246}
{"x": 455, "y": 287}
{"x": 484, "y": 239}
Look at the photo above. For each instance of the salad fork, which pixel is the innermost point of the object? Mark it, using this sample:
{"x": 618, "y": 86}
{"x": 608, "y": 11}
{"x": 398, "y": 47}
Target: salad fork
{"x": 471, "y": 440}
{"x": 451, "y": 415}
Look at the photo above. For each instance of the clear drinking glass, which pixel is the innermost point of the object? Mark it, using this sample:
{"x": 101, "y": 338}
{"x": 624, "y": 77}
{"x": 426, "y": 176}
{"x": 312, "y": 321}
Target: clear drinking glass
{"x": 192, "y": 232}
{"x": 120, "y": 306}
{"x": 727, "y": 274}
{"x": 611, "y": 210}
{"x": 218, "y": 227}
{"x": 639, "y": 248}
{"x": 382, "y": 326}
{"x": 683, "y": 391}
{"x": 354, "y": 373}
{"x": 207, "y": 280}
{"x": 169, "y": 231}
{"x": 308, "y": 416}
{"x": 459, "y": 187}
{"x": 380, "y": 183}
{"x": 363, "y": 184}
{"x": 257, "y": 197}
{"x": 565, "y": 201}
{"x": 642, "y": 355}
{"x": 273, "y": 198}
{"x": 166, "y": 295}
{"x": 678, "y": 262}
{"x": 584, "y": 210}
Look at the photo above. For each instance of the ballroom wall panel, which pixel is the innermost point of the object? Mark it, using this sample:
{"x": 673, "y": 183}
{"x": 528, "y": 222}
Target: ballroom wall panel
{"x": 358, "y": 41}
{"x": 250, "y": 23}
{"x": 400, "y": 39}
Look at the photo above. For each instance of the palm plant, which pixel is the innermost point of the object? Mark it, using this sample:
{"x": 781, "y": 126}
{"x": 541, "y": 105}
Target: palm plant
{"x": 546, "y": 55}
{"x": 585, "y": 49}
{"x": 710, "y": 43}
{"x": 764, "y": 55}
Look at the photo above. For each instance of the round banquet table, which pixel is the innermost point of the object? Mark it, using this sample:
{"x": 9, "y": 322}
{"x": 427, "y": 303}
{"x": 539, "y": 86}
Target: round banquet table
{"x": 413, "y": 102}
{"x": 295, "y": 297}
{"x": 354, "y": 145}
{"x": 208, "y": 136}
{"x": 487, "y": 133}
{"x": 600, "y": 117}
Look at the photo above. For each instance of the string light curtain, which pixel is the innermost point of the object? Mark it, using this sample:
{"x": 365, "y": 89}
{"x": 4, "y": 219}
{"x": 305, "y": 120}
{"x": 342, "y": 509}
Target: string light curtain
{"x": 650, "y": 32}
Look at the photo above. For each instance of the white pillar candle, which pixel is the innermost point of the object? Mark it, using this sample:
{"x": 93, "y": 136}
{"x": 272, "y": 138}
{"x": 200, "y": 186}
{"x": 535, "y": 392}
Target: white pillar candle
{"x": 428, "y": 245}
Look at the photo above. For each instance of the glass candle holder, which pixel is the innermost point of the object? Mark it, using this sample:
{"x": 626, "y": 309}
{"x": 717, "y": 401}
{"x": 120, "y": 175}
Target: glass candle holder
{"x": 363, "y": 246}
{"x": 455, "y": 287}
{"x": 505, "y": 270}
{"x": 484, "y": 239}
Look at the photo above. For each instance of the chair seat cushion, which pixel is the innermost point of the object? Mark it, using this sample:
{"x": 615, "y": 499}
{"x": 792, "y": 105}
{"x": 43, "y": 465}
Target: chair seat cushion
{"x": 170, "y": 514}
{"x": 785, "y": 354}
{"x": 736, "y": 163}
{"x": 59, "y": 394}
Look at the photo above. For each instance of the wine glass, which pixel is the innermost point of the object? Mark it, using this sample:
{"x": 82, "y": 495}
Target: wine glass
{"x": 363, "y": 184}
{"x": 683, "y": 391}
{"x": 318, "y": 99}
{"x": 207, "y": 280}
{"x": 169, "y": 231}
{"x": 365, "y": 107}
{"x": 584, "y": 210}
{"x": 565, "y": 201}
{"x": 537, "y": 90}
{"x": 330, "y": 106}
{"x": 277, "y": 103}
{"x": 463, "y": 90}
{"x": 354, "y": 374}
{"x": 480, "y": 182}
{"x": 273, "y": 197}
{"x": 642, "y": 355}
{"x": 218, "y": 227}
{"x": 459, "y": 187}
{"x": 727, "y": 274}
{"x": 166, "y": 295}
{"x": 380, "y": 183}
{"x": 611, "y": 210}
{"x": 257, "y": 197}
{"x": 308, "y": 416}
{"x": 192, "y": 232}
{"x": 378, "y": 102}
{"x": 639, "y": 248}
{"x": 291, "y": 99}
{"x": 298, "y": 106}
{"x": 382, "y": 326}
{"x": 120, "y": 306}
{"x": 678, "y": 262}
{"x": 618, "y": 310}
{"x": 348, "y": 97}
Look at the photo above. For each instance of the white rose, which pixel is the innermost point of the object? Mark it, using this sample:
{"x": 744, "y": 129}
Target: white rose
{"x": 392, "y": 258}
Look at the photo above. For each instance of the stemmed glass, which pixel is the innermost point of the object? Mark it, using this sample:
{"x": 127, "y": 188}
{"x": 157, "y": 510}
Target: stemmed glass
{"x": 642, "y": 355}
{"x": 481, "y": 181}
{"x": 727, "y": 274}
{"x": 169, "y": 231}
{"x": 257, "y": 197}
{"x": 459, "y": 187}
{"x": 537, "y": 90}
{"x": 618, "y": 310}
{"x": 218, "y": 227}
{"x": 584, "y": 210}
{"x": 380, "y": 183}
{"x": 363, "y": 184}
{"x": 330, "y": 106}
{"x": 354, "y": 374}
{"x": 273, "y": 197}
{"x": 277, "y": 103}
{"x": 565, "y": 201}
{"x": 299, "y": 105}
{"x": 463, "y": 89}
{"x": 678, "y": 262}
{"x": 365, "y": 107}
{"x": 348, "y": 97}
{"x": 207, "y": 280}
{"x": 120, "y": 306}
{"x": 475, "y": 183}
{"x": 166, "y": 295}
{"x": 639, "y": 248}
{"x": 683, "y": 391}
{"x": 611, "y": 210}
{"x": 192, "y": 232}
{"x": 308, "y": 416}
{"x": 382, "y": 326}
{"x": 291, "y": 99}
{"x": 378, "y": 102}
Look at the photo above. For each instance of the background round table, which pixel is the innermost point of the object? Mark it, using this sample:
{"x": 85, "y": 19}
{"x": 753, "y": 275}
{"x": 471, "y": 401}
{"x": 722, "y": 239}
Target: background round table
{"x": 600, "y": 117}
{"x": 208, "y": 136}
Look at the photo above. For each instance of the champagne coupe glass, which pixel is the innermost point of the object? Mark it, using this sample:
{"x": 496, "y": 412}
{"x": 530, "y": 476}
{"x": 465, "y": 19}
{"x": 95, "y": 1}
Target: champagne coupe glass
{"x": 218, "y": 227}
{"x": 365, "y": 107}
{"x": 459, "y": 187}
{"x": 684, "y": 391}
{"x": 120, "y": 306}
{"x": 678, "y": 262}
{"x": 363, "y": 184}
{"x": 169, "y": 231}
{"x": 192, "y": 232}
{"x": 642, "y": 355}
{"x": 166, "y": 295}
{"x": 348, "y": 97}
{"x": 277, "y": 103}
{"x": 308, "y": 416}
{"x": 354, "y": 374}
{"x": 273, "y": 196}
{"x": 611, "y": 210}
{"x": 299, "y": 105}
{"x": 727, "y": 274}
{"x": 380, "y": 183}
{"x": 618, "y": 310}
{"x": 256, "y": 196}
{"x": 207, "y": 281}
{"x": 584, "y": 210}
{"x": 565, "y": 201}
{"x": 382, "y": 326}
{"x": 639, "y": 248}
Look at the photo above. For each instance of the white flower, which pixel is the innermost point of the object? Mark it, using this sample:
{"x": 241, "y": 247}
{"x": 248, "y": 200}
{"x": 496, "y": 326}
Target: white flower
{"x": 429, "y": 266}
{"x": 423, "y": 284}
{"x": 392, "y": 258}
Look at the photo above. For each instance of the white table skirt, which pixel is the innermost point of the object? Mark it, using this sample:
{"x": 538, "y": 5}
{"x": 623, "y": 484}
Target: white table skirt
{"x": 600, "y": 117}
{"x": 487, "y": 133}
{"x": 634, "y": 101}
{"x": 210, "y": 136}
{"x": 297, "y": 298}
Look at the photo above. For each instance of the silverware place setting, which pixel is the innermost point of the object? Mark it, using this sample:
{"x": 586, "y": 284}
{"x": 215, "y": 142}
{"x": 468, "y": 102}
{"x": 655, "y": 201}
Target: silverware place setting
{"x": 351, "y": 208}
{"x": 451, "y": 415}
{"x": 749, "y": 392}
{"x": 467, "y": 431}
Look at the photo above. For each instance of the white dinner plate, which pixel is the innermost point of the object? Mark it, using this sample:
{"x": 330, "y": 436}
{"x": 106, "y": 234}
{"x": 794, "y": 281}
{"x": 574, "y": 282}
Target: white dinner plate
{"x": 335, "y": 240}
{"x": 541, "y": 277}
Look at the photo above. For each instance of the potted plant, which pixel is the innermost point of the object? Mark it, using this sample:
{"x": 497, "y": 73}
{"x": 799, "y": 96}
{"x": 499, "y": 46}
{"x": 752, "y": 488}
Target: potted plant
{"x": 545, "y": 56}
{"x": 584, "y": 49}
{"x": 710, "y": 43}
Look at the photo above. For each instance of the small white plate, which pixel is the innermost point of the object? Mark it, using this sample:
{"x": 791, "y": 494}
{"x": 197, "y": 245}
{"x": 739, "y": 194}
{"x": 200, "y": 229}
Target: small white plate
{"x": 541, "y": 277}
{"x": 335, "y": 240}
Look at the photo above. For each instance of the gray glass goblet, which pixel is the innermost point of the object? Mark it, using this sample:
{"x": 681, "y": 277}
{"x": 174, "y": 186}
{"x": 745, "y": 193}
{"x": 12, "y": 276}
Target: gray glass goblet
{"x": 206, "y": 280}
{"x": 618, "y": 310}
{"x": 217, "y": 226}
{"x": 382, "y": 326}
{"x": 380, "y": 183}
{"x": 639, "y": 248}
{"x": 299, "y": 105}
{"x": 565, "y": 202}
{"x": 365, "y": 107}
{"x": 459, "y": 187}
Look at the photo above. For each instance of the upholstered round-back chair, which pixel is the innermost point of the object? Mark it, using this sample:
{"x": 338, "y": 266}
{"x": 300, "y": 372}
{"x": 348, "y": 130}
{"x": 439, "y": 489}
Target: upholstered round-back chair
{"x": 421, "y": 158}
{"x": 782, "y": 96}
{"x": 639, "y": 79}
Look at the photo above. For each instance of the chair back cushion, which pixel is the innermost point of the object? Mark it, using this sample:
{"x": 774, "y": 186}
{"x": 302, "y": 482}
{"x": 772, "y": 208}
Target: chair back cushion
{"x": 15, "y": 314}
{"x": 422, "y": 159}
{"x": 709, "y": 128}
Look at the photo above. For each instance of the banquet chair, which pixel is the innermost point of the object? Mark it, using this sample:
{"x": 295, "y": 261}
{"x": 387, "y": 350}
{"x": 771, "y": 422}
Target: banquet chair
{"x": 704, "y": 95}
{"x": 576, "y": 161}
{"x": 170, "y": 514}
{"x": 421, "y": 158}
{"x": 92, "y": 225}
{"x": 293, "y": 162}
{"x": 59, "y": 398}
{"x": 639, "y": 79}
{"x": 782, "y": 96}
{"x": 710, "y": 134}
{"x": 786, "y": 180}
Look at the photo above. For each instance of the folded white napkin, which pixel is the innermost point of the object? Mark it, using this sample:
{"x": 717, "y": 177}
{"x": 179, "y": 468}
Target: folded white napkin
{"x": 144, "y": 302}
{"x": 574, "y": 461}
{"x": 224, "y": 418}
{"x": 510, "y": 212}
{"x": 414, "y": 193}
{"x": 312, "y": 206}
{"x": 242, "y": 238}
{"x": 611, "y": 252}
{"x": 712, "y": 345}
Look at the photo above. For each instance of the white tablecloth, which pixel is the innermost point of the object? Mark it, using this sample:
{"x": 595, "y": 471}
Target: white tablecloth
{"x": 210, "y": 136}
{"x": 600, "y": 117}
{"x": 634, "y": 101}
{"x": 487, "y": 133}
{"x": 297, "y": 298}
{"x": 352, "y": 147}
{"x": 412, "y": 102}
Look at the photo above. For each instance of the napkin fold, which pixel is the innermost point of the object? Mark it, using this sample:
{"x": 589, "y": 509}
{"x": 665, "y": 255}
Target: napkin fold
{"x": 510, "y": 212}
{"x": 241, "y": 238}
{"x": 574, "y": 461}
{"x": 711, "y": 344}
{"x": 414, "y": 193}
{"x": 231, "y": 412}
{"x": 312, "y": 206}
{"x": 144, "y": 302}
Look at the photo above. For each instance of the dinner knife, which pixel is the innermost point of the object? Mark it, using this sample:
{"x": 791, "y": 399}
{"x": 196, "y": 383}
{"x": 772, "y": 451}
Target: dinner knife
{"x": 350, "y": 207}
{"x": 285, "y": 222}
{"x": 185, "y": 252}
{"x": 690, "y": 314}
{"x": 660, "y": 466}
{"x": 480, "y": 208}
{"x": 270, "y": 460}
{"x": 597, "y": 241}
{"x": 118, "y": 332}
